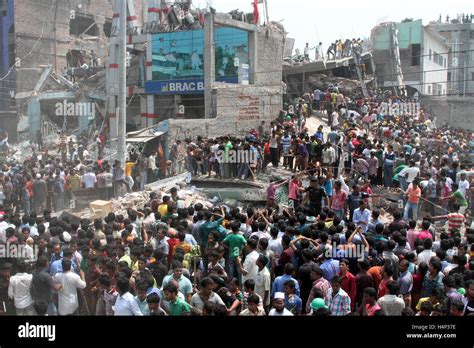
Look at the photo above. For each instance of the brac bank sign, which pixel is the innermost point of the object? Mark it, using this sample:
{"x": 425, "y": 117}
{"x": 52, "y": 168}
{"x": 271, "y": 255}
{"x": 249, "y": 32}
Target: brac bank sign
{"x": 175, "y": 87}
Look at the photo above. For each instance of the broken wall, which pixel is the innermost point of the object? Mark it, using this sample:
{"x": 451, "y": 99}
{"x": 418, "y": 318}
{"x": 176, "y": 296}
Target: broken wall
{"x": 43, "y": 33}
{"x": 456, "y": 111}
{"x": 238, "y": 110}
{"x": 270, "y": 49}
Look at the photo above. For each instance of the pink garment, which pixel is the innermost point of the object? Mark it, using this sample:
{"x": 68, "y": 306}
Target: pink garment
{"x": 411, "y": 236}
{"x": 293, "y": 190}
{"x": 425, "y": 234}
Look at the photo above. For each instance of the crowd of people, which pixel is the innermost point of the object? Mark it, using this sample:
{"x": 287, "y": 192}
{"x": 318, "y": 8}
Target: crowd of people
{"x": 327, "y": 251}
{"x": 336, "y": 50}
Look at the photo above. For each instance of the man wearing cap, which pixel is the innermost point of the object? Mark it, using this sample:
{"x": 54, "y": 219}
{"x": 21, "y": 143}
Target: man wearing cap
{"x": 317, "y": 304}
{"x": 279, "y": 309}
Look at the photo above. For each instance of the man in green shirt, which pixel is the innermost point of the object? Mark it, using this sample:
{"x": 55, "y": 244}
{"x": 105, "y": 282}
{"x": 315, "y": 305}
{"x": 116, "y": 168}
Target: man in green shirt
{"x": 397, "y": 171}
{"x": 234, "y": 242}
{"x": 460, "y": 198}
{"x": 178, "y": 307}
{"x": 227, "y": 148}
{"x": 208, "y": 226}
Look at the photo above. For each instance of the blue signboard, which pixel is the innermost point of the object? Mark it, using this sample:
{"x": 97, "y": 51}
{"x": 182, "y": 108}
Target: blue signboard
{"x": 195, "y": 86}
{"x": 189, "y": 86}
{"x": 178, "y": 60}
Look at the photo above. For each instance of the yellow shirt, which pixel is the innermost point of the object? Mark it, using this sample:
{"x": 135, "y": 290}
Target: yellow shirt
{"x": 163, "y": 209}
{"x": 128, "y": 168}
{"x": 135, "y": 266}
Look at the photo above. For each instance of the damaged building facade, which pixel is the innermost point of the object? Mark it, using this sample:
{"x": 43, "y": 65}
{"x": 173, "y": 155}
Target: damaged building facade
{"x": 410, "y": 56}
{"x": 197, "y": 72}
{"x": 63, "y": 53}
{"x": 51, "y": 43}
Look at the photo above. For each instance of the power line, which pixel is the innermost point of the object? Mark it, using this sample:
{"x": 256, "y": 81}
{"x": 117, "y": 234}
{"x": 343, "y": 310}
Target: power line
{"x": 35, "y": 44}
{"x": 275, "y": 104}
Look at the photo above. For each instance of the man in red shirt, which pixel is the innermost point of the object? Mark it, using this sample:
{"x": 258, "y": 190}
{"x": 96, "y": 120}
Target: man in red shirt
{"x": 369, "y": 303}
{"x": 425, "y": 233}
{"x": 348, "y": 281}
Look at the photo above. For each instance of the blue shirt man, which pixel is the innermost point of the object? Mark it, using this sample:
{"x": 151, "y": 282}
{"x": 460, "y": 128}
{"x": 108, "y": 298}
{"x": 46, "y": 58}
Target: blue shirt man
{"x": 330, "y": 268}
{"x": 278, "y": 284}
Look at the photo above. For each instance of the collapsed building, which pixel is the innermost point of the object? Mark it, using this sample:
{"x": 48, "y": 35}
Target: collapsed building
{"x": 65, "y": 55}
{"x": 348, "y": 74}
{"x": 48, "y": 46}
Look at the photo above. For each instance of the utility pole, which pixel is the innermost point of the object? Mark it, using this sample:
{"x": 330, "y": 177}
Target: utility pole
{"x": 465, "y": 80}
{"x": 267, "y": 20}
{"x": 122, "y": 99}
{"x": 56, "y": 37}
{"x": 455, "y": 65}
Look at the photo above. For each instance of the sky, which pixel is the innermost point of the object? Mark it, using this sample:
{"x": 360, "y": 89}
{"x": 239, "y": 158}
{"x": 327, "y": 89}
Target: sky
{"x": 326, "y": 21}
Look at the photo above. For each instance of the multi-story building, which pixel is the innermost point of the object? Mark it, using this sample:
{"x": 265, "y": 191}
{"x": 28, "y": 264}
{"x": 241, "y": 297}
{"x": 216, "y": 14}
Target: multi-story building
{"x": 459, "y": 35}
{"x": 412, "y": 53}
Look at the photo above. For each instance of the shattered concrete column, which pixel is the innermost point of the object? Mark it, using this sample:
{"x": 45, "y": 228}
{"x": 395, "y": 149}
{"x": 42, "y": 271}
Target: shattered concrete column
{"x": 34, "y": 116}
{"x": 151, "y": 116}
{"x": 143, "y": 111}
{"x": 253, "y": 54}
{"x": 113, "y": 117}
{"x": 150, "y": 98}
{"x": 100, "y": 21}
{"x": 209, "y": 63}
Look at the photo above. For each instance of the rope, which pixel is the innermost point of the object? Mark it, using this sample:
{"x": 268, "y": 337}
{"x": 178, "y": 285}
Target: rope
{"x": 331, "y": 167}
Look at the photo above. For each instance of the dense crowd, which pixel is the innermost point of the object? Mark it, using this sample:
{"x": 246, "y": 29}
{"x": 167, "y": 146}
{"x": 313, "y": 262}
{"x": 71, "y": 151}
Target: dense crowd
{"x": 325, "y": 250}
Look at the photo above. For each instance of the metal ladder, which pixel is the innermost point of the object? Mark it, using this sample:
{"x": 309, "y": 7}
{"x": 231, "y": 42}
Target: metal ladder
{"x": 361, "y": 80}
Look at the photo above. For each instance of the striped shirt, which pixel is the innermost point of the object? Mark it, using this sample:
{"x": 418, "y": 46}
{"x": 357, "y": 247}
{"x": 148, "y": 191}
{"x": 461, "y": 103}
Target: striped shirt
{"x": 455, "y": 221}
{"x": 340, "y": 304}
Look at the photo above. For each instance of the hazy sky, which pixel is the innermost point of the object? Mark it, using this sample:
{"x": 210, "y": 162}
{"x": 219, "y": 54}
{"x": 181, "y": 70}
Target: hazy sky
{"x": 327, "y": 20}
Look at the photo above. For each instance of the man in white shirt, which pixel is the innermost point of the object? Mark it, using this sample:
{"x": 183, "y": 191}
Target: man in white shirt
{"x": 274, "y": 244}
{"x": 70, "y": 282}
{"x": 19, "y": 291}
{"x": 464, "y": 185}
{"x": 249, "y": 269}
{"x": 263, "y": 280}
{"x": 152, "y": 164}
{"x": 125, "y": 304}
{"x": 329, "y": 155}
{"x": 391, "y": 304}
{"x": 89, "y": 179}
{"x": 3, "y": 227}
{"x": 407, "y": 175}
{"x": 261, "y": 233}
{"x": 279, "y": 309}
{"x": 205, "y": 295}
{"x": 426, "y": 255}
